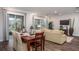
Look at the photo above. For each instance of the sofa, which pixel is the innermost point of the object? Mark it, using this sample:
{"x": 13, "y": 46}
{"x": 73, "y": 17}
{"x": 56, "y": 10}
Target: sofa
{"x": 56, "y": 36}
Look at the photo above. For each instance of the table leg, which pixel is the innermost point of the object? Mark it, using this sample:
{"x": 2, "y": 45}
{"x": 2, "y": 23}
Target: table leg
{"x": 28, "y": 46}
{"x": 43, "y": 43}
{"x": 35, "y": 46}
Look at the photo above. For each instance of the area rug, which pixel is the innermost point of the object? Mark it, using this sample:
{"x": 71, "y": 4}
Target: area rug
{"x": 69, "y": 39}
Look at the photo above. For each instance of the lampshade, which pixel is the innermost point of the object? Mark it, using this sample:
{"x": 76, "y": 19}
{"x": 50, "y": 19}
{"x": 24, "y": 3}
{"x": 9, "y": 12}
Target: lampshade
{"x": 39, "y": 26}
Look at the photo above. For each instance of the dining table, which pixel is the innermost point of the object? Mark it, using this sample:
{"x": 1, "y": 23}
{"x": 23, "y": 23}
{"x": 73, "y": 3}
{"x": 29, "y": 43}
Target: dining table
{"x": 28, "y": 40}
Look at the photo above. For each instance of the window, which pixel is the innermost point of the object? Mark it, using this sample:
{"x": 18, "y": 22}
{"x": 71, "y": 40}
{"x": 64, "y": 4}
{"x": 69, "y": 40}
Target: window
{"x": 42, "y": 23}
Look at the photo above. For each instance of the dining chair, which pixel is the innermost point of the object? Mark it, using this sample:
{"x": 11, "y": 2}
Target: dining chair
{"x": 14, "y": 40}
{"x": 39, "y": 41}
{"x": 21, "y": 46}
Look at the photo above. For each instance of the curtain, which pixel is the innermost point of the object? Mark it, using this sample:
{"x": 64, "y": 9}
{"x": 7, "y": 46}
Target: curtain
{"x": 76, "y": 27}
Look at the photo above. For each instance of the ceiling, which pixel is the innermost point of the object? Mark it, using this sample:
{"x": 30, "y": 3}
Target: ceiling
{"x": 49, "y": 10}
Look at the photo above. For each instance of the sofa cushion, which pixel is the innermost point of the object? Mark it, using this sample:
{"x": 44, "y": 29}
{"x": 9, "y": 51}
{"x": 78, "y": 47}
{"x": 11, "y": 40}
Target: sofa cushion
{"x": 55, "y": 31}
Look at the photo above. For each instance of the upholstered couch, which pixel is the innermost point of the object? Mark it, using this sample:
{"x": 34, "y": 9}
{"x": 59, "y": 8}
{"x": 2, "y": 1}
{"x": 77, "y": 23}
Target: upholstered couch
{"x": 56, "y": 36}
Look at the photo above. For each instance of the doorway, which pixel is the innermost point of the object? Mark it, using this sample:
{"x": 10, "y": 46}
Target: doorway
{"x": 15, "y": 23}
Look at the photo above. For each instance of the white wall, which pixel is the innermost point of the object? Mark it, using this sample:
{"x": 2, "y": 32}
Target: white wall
{"x": 1, "y": 25}
{"x": 55, "y": 21}
{"x": 29, "y": 18}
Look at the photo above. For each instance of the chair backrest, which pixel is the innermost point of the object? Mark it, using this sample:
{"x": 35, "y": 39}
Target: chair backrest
{"x": 39, "y": 35}
{"x": 19, "y": 42}
{"x": 18, "y": 38}
{"x": 14, "y": 34}
{"x": 14, "y": 39}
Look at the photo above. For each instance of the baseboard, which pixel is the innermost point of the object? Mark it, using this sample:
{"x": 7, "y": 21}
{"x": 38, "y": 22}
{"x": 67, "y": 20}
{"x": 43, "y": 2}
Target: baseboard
{"x": 75, "y": 34}
{"x": 1, "y": 40}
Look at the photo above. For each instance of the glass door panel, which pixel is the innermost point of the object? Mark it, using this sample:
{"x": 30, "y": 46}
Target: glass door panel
{"x": 12, "y": 23}
{"x": 16, "y": 22}
{"x": 19, "y": 22}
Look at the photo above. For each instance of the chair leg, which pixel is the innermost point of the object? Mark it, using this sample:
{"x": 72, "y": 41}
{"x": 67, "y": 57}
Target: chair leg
{"x": 43, "y": 44}
{"x": 14, "y": 49}
{"x": 35, "y": 47}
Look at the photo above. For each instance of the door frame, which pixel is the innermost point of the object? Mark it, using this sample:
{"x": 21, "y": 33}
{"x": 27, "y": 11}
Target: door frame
{"x": 7, "y": 22}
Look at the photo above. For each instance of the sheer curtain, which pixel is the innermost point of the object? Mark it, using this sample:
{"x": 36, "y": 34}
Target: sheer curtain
{"x": 76, "y": 27}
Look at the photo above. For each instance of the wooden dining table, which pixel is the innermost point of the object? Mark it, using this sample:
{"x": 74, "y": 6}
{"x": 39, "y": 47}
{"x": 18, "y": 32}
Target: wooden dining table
{"x": 28, "y": 40}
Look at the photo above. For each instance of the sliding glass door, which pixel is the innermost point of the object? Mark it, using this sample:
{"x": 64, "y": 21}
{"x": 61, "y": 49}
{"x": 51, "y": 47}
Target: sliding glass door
{"x": 15, "y": 22}
{"x": 12, "y": 22}
{"x": 19, "y": 23}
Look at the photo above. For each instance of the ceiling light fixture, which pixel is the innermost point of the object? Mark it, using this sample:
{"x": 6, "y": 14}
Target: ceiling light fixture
{"x": 34, "y": 13}
{"x": 55, "y": 12}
